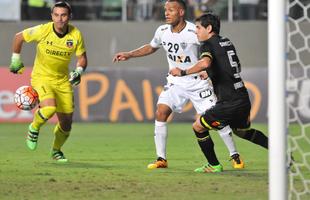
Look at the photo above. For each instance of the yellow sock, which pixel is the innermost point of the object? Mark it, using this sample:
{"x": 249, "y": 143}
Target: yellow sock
{"x": 41, "y": 116}
{"x": 60, "y": 137}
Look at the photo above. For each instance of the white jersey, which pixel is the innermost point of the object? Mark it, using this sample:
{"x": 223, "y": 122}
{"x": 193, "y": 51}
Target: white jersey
{"x": 181, "y": 49}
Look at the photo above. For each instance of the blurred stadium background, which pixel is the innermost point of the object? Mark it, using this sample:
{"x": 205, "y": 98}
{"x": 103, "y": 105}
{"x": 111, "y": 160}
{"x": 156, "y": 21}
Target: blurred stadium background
{"x": 128, "y": 91}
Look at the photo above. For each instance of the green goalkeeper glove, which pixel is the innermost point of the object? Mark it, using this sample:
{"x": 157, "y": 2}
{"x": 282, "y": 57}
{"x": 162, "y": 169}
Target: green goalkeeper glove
{"x": 16, "y": 66}
{"x": 75, "y": 76}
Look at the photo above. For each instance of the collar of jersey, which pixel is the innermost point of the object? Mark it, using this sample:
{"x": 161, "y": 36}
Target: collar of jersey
{"x": 59, "y": 34}
{"x": 180, "y": 30}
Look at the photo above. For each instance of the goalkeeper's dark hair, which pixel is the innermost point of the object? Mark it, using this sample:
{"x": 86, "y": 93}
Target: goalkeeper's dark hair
{"x": 180, "y": 2}
{"x": 62, "y": 4}
{"x": 210, "y": 19}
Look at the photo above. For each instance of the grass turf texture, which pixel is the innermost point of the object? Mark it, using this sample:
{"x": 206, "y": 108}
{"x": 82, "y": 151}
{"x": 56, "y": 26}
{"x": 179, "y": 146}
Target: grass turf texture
{"x": 108, "y": 161}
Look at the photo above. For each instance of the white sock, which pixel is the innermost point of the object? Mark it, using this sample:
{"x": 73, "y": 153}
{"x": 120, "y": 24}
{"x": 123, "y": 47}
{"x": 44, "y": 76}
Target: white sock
{"x": 226, "y": 135}
{"x": 160, "y": 138}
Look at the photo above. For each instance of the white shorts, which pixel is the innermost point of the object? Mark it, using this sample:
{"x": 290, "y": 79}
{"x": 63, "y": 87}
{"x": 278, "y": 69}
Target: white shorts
{"x": 200, "y": 94}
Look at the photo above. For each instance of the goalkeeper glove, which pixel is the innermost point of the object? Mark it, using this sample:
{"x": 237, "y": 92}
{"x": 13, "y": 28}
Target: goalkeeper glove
{"x": 75, "y": 76}
{"x": 16, "y": 66}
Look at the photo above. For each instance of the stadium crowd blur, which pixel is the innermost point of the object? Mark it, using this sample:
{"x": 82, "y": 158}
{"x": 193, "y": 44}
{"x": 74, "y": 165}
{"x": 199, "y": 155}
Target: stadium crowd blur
{"x": 142, "y": 10}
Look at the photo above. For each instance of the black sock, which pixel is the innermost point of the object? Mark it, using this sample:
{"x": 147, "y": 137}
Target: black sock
{"x": 207, "y": 147}
{"x": 254, "y": 136}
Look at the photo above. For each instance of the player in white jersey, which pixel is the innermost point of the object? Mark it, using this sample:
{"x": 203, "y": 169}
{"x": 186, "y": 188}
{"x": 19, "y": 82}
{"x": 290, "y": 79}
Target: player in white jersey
{"x": 181, "y": 50}
{"x": 179, "y": 40}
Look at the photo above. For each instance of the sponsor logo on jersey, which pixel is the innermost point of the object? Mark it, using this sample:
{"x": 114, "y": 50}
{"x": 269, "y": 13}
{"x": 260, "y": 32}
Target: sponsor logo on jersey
{"x": 225, "y": 43}
{"x": 205, "y": 94}
{"x": 180, "y": 59}
{"x": 69, "y": 43}
{"x": 49, "y": 42}
{"x": 57, "y": 53}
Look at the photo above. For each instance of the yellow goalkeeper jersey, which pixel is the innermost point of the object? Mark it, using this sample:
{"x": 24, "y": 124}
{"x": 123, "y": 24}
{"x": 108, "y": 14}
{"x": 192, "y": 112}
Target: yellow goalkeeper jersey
{"x": 53, "y": 53}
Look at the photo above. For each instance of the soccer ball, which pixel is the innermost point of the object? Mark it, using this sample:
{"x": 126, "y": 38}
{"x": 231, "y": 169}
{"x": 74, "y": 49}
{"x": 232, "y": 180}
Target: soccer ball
{"x": 26, "y": 98}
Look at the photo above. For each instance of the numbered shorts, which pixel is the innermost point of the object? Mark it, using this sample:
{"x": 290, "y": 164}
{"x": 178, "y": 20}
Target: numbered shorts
{"x": 61, "y": 92}
{"x": 176, "y": 97}
{"x": 235, "y": 113}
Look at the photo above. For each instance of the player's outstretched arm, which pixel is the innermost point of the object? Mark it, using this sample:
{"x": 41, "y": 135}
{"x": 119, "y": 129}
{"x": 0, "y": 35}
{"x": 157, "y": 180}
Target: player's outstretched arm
{"x": 139, "y": 52}
{"x": 121, "y": 56}
{"x": 201, "y": 65}
{"x": 17, "y": 66}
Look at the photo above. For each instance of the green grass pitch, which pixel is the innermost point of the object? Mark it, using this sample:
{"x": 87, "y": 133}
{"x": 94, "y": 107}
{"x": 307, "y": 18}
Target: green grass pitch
{"x": 108, "y": 161}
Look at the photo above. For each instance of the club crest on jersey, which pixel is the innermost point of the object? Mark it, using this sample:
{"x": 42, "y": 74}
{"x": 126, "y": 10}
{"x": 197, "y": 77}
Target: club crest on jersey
{"x": 183, "y": 45}
{"x": 69, "y": 43}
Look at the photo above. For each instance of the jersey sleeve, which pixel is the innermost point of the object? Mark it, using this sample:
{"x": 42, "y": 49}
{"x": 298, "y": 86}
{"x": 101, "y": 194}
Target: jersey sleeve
{"x": 80, "y": 47}
{"x": 33, "y": 33}
{"x": 156, "y": 41}
{"x": 205, "y": 51}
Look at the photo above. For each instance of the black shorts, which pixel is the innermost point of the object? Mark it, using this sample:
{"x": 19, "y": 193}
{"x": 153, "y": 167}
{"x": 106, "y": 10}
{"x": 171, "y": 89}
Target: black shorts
{"x": 235, "y": 113}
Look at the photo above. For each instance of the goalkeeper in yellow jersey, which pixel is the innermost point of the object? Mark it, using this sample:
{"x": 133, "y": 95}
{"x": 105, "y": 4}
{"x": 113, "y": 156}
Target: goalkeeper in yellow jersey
{"x": 56, "y": 41}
